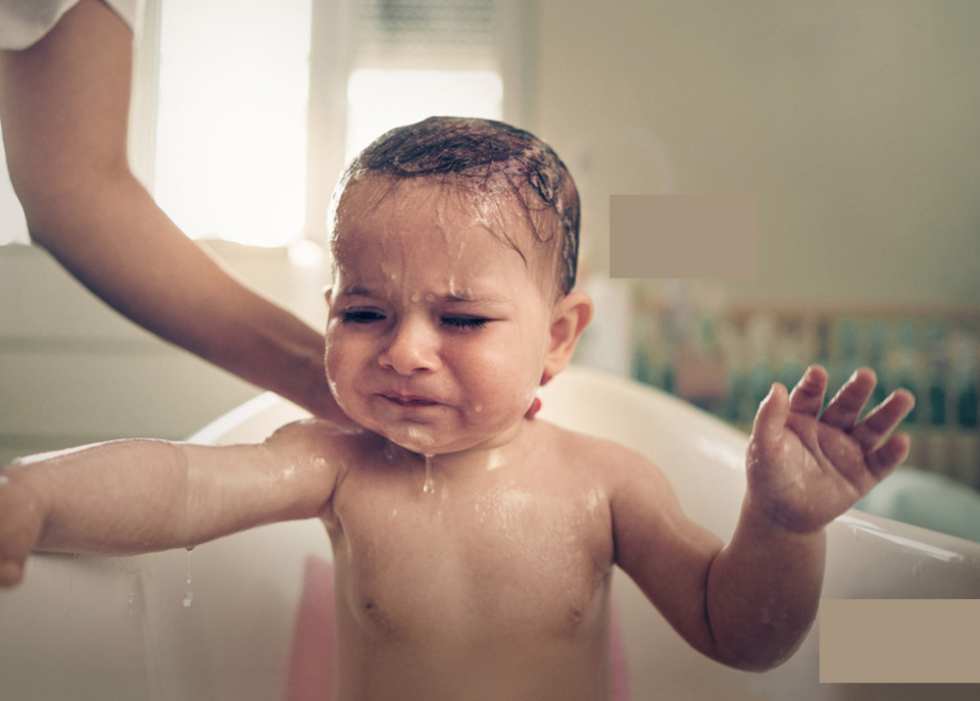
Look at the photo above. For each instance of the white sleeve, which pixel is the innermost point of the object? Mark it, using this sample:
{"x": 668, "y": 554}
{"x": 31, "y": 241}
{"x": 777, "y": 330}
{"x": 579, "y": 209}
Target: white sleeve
{"x": 23, "y": 22}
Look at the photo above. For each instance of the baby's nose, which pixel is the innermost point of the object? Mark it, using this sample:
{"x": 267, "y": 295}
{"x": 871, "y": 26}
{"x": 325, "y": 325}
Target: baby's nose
{"x": 413, "y": 347}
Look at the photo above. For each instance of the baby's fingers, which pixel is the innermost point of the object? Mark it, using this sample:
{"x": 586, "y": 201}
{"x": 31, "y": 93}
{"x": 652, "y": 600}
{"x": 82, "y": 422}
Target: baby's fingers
{"x": 881, "y": 421}
{"x": 807, "y": 396}
{"x": 11, "y": 572}
{"x": 16, "y": 545}
{"x": 770, "y": 419}
{"x": 847, "y": 404}
{"x": 20, "y": 528}
{"x": 889, "y": 456}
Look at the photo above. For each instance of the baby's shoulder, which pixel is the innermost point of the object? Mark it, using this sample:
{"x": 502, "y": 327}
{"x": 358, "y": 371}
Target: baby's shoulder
{"x": 315, "y": 436}
{"x": 602, "y": 453}
{"x": 631, "y": 481}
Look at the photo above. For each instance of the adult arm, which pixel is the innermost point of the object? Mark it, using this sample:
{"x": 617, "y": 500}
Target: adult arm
{"x": 64, "y": 105}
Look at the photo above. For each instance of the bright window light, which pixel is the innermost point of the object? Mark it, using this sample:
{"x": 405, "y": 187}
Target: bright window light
{"x": 379, "y": 100}
{"x": 231, "y": 131}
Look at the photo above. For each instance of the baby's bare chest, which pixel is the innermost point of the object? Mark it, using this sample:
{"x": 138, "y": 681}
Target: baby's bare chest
{"x": 484, "y": 559}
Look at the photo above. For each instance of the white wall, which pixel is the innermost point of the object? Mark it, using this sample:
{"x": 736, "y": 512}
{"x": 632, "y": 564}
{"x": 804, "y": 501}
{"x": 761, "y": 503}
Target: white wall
{"x": 854, "y": 122}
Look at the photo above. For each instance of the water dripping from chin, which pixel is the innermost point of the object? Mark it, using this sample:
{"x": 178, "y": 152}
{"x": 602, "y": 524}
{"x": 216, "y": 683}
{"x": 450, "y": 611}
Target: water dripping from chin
{"x": 429, "y": 486}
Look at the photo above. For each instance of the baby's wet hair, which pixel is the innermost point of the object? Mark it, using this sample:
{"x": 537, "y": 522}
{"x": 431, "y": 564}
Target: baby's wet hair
{"x": 491, "y": 158}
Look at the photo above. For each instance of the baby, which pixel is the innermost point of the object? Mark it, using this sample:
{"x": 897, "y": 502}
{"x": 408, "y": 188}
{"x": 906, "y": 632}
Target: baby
{"x": 474, "y": 545}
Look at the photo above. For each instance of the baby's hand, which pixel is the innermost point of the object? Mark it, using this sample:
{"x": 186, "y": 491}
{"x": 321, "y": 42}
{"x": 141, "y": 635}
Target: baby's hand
{"x": 803, "y": 472}
{"x": 21, "y": 520}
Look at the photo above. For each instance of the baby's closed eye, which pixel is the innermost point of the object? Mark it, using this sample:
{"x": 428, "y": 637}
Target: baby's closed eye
{"x": 465, "y": 322}
{"x": 361, "y": 316}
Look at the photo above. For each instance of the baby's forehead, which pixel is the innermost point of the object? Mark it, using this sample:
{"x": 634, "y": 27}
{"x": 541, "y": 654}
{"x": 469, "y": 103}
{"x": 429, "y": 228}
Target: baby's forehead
{"x": 460, "y": 209}
{"x": 366, "y": 192}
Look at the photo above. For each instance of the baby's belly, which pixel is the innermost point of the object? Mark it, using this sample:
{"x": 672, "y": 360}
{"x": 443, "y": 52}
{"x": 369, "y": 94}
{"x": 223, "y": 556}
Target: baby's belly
{"x": 379, "y": 669}
{"x": 450, "y": 639}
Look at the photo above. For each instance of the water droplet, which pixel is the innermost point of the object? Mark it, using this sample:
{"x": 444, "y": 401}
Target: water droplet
{"x": 189, "y": 595}
{"x": 429, "y": 486}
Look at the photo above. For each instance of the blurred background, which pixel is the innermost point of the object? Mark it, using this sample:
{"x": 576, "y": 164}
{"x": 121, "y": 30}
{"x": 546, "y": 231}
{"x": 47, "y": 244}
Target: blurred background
{"x": 854, "y": 123}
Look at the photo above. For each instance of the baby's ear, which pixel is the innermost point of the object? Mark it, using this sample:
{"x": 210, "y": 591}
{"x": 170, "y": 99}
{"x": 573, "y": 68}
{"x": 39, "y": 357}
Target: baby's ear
{"x": 328, "y": 294}
{"x": 572, "y": 314}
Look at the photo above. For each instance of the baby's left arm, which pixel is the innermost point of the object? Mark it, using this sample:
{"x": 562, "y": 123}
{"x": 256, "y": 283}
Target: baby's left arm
{"x": 749, "y": 604}
{"x": 803, "y": 470}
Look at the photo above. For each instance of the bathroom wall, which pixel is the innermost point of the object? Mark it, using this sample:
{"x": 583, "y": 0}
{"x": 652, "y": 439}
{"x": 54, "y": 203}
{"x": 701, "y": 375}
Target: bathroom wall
{"x": 854, "y": 123}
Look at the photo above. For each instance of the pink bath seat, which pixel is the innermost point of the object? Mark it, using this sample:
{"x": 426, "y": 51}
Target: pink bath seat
{"x": 312, "y": 657}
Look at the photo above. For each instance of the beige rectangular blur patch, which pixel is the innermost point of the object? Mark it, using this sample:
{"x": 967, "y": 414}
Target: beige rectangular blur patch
{"x": 900, "y": 641}
{"x": 683, "y": 236}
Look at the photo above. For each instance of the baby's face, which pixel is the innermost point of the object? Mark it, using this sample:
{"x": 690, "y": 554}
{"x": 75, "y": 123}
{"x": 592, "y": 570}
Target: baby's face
{"x": 437, "y": 332}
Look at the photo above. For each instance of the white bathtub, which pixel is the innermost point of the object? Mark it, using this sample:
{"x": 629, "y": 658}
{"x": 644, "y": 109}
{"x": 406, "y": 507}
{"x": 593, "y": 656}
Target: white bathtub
{"x": 117, "y": 628}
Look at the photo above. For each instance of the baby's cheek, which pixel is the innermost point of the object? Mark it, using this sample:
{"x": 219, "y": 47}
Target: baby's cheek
{"x": 337, "y": 380}
{"x": 507, "y": 381}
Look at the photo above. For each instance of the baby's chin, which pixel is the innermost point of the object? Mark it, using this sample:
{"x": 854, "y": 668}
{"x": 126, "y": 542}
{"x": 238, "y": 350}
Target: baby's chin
{"x": 424, "y": 440}
{"x": 417, "y": 439}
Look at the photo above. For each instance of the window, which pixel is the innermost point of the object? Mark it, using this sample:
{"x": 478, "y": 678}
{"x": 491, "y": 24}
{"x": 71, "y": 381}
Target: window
{"x": 379, "y": 99}
{"x": 261, "y": 104}
{"x": 231, "y": 120}
{"x": 416, "y": 58}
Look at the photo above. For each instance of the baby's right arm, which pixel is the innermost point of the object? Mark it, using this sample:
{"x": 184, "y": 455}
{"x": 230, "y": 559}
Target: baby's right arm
{"x": 125, "y": 497}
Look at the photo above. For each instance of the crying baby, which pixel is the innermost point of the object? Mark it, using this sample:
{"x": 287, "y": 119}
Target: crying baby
{"x": 474, "y": 544}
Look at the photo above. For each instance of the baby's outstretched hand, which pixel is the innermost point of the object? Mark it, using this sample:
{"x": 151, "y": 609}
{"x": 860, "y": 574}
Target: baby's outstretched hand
{"x": 804, "y": 471}
{"x": 21, "y": 520}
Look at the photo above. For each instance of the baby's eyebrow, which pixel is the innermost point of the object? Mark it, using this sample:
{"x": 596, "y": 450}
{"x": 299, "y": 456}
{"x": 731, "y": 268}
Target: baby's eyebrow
{"x": 456, "y": 297}
{"x": 466, "y": 297}
{"x": 355, "y": 291}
